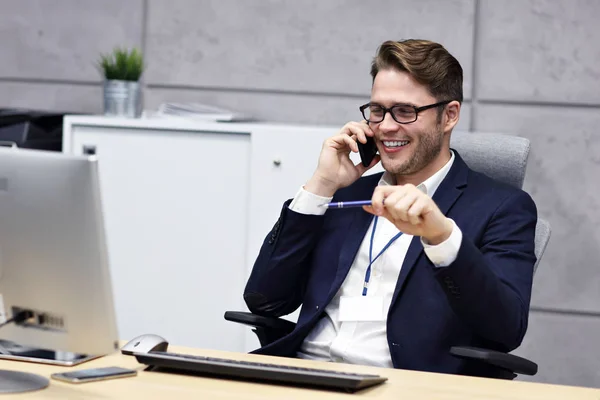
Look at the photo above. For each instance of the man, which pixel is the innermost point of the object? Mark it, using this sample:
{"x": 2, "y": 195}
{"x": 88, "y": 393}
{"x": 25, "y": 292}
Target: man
{"x": 443, "y": 257}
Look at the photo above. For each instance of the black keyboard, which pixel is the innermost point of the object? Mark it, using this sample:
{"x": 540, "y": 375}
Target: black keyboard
{"x": 248, "y": 370}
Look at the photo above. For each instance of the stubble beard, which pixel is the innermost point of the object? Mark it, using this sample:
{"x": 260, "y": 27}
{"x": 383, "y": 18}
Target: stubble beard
{"x": 428, "y": 147}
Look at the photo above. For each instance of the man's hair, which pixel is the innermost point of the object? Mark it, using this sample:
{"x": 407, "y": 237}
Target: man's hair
{"x": 429, "y": 63}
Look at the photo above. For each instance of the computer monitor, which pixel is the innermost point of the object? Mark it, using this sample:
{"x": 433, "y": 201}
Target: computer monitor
{"x": 53, "y": 258}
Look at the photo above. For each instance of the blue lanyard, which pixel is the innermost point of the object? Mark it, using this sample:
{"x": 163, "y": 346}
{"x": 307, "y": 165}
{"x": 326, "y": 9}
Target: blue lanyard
{"x": 371, "y": 260}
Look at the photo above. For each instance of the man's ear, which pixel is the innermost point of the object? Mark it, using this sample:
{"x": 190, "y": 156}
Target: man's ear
{"x": 451, "y": 115}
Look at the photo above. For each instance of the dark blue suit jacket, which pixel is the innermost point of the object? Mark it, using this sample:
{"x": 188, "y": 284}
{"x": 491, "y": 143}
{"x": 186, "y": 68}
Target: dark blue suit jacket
{"x": 481, "y": 299}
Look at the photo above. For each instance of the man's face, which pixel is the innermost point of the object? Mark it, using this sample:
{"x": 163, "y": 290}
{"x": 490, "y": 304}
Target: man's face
{"x": 405, "y": 149}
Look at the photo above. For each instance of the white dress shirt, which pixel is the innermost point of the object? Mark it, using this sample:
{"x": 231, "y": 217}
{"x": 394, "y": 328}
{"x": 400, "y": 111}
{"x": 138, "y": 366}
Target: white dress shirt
{"x": 366, "y": 342}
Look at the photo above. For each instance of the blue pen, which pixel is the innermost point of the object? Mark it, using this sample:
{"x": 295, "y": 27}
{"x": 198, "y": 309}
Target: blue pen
{"x": 347, "y": 204}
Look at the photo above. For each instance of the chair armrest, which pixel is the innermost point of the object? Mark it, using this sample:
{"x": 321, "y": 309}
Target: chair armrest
{"x": 510, "y": 362}
{"x": 258, "y": 321}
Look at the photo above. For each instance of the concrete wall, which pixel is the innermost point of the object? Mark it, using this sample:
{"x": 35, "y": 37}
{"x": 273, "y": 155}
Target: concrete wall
{"x": 531, "y": 69}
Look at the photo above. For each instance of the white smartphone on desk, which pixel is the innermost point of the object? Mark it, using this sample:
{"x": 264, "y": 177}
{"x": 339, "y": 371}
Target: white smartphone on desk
{"x": 93, "y": 374}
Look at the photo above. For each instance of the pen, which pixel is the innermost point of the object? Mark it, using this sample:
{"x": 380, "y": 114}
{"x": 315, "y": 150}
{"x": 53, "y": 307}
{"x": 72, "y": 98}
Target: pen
{"x": 347, "y": 204}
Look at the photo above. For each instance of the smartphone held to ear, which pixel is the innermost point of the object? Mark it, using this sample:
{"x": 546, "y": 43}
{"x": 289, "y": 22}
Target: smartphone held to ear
{"x": 93, "y": 374}
{"x": 367, "y": 151}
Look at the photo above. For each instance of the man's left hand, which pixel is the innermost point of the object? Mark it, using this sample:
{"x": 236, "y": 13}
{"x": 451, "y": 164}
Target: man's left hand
{"x": 412, "y": 212}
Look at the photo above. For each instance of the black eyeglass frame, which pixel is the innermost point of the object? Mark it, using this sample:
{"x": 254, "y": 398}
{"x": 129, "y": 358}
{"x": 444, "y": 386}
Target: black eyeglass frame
{"x": 386, "y": 110}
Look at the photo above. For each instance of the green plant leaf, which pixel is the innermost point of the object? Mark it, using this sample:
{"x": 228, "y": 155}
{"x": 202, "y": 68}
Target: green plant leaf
{"x": 122, "y": 64}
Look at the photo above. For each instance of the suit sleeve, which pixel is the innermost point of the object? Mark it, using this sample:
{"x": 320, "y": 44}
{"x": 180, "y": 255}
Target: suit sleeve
{"x": 489, "y": 287}
{"x": 278, "y": 280}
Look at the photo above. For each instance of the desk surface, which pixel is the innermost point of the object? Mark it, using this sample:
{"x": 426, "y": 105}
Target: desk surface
{"x": 401, "y": 384}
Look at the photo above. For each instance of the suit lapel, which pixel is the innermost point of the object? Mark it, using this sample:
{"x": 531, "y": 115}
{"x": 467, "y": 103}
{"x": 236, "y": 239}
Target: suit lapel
{"x": 445, "y": 196}
{"x": 356, "y": 233}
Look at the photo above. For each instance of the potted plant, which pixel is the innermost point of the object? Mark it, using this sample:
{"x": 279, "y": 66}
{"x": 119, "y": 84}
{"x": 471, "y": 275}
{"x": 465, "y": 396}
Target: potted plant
{"x": 122, "y": 70}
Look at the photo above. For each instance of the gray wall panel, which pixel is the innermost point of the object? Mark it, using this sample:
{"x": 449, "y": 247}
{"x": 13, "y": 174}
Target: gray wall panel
{"x": 62, "y": 40}
{"x": 539, "y": 50}
{"x": 52, "y": 97}
{"x": 564, "y": 347}
{"x": 311, "y": 45}
{"x": 562, "y": 177}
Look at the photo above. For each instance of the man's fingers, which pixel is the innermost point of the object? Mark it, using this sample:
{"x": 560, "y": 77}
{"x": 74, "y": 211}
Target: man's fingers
{"x": 376, "y": 199}
{"x": 394, "y": 197}
{"x": 384, "y": 214}
{"x": 351, "y": 143}
{"x": 380, "y": 193}
{"x": 367, "y": 128}
{"x": 360, "y": 130}
{"x": 415, "y": 211}
{"x": 397, "y": 200}
{"x": 369, "y": 209}
{"x": 343, "y": 141}
{"x": 399, "y": 203}
{"x": 387, "y": 215}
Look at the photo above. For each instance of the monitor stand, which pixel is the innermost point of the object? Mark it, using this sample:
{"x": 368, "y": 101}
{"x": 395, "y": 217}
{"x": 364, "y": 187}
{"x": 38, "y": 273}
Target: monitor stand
{"x": 13, "y": 351}
{"x": 18, "y": 382}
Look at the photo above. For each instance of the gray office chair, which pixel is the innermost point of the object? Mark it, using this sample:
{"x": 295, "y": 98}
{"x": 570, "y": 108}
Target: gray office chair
{"x": 501, "y": 157}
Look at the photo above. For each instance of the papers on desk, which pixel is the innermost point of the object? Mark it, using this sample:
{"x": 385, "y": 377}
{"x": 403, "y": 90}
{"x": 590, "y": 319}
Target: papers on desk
{"x": 197, "y": 111}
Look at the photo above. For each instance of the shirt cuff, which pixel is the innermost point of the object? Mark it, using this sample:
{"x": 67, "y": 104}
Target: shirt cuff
{"x": 309, "y": 203}
{"x": 444, "y": 254}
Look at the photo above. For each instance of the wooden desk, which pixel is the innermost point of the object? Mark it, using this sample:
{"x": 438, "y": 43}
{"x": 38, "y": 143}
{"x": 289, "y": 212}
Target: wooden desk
{"x": 401, "y": 384}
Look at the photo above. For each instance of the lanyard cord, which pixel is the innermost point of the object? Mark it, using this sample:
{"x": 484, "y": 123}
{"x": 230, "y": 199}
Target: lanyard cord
{"x": 371, "y": 260}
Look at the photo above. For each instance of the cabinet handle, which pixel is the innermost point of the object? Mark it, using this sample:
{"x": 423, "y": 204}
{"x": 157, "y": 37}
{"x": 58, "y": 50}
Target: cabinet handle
{"x": 277, "y": 162}
{"x": 89, "y": 149}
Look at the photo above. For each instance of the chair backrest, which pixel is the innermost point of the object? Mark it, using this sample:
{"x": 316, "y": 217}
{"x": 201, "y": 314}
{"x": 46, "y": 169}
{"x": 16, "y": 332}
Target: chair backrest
{"x": 501, "y": 157}
{"x": 542, "y": 236}
{"x": 504, "y": 158}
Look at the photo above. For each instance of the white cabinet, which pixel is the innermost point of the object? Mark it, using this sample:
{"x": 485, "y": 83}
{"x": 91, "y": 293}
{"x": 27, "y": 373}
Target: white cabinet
{"x": 187, "y": 205}
{"x": 283, "y": 158}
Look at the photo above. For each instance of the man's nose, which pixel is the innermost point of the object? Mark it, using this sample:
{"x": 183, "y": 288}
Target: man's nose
{"x": 388, "y": 124}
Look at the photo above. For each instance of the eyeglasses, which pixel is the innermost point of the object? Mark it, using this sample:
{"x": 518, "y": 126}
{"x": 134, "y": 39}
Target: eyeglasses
{"x": 401, "y": 113}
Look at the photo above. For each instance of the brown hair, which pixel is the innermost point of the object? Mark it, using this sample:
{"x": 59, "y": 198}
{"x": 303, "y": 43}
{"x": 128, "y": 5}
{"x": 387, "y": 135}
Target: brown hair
{"x": 429, "y": 63}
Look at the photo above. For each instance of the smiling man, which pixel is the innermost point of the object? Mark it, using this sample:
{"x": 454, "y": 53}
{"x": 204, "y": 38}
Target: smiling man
{"x": 443, "y": 257}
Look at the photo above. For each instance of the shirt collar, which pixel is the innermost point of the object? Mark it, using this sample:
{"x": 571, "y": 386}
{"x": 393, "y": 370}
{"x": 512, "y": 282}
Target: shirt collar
{"x": 430, "y": 185}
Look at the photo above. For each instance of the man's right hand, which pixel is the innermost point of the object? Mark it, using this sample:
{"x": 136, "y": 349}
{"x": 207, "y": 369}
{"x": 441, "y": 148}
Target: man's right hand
{"x": 335, "y": 169}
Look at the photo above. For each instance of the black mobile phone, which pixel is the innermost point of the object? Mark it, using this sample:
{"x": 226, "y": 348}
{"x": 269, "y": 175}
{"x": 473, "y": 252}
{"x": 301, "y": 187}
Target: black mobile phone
{"x": 93, "y": 374}
{"x": 367, "y": 151}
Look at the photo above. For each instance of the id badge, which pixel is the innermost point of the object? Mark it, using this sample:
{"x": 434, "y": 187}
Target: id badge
{"x": 361, "y": 308}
